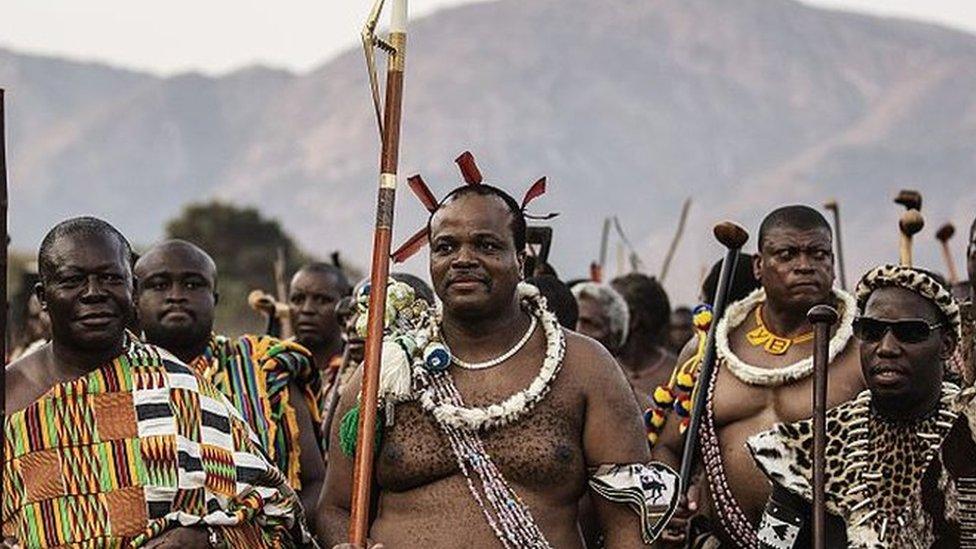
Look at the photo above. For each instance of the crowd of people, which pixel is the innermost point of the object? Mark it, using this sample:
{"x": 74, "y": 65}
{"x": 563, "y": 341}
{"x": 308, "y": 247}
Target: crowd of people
{"x": 516, "y": 409}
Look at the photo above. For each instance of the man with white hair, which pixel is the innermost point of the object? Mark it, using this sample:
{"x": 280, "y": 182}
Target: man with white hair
{"x": 603, "y": 315}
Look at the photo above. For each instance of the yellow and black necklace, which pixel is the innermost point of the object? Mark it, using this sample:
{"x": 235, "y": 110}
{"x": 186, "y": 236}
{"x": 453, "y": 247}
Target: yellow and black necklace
{"x": 760, "y": 336}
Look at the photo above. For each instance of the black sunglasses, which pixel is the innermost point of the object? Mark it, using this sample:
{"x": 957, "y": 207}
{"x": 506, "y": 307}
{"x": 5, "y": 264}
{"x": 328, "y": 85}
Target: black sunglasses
{"x": 907, "y": 331}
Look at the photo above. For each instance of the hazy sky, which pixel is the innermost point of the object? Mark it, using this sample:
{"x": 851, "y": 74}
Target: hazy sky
{"x": 220, "y": 35}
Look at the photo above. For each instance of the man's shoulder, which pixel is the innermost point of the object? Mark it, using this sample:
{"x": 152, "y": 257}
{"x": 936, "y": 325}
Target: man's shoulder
{"x": 591, "y": 367}
{"x": 584, "y": 352}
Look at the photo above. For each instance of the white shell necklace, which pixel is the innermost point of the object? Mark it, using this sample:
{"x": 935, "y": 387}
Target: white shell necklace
{"x": 502, "y": 358}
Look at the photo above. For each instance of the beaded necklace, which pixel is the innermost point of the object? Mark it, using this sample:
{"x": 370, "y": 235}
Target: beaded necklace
{"x": 732, "y": 520}
{"x": 501, "y": 358}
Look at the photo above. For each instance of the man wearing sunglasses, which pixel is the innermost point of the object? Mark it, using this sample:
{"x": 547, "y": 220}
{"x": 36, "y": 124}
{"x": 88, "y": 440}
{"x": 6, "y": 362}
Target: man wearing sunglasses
{"x": 900, "y": 468}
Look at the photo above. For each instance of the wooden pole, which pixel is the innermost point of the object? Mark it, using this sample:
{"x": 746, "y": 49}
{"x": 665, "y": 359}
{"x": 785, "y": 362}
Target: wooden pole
{"x": 379, "y": 273}
{"x": 733, "y": 237}
{"x": 281, "y": 291}
{"x": 822, "y": 317}
{"x": 682, "y": 220}
{"x": 3, "y": 261}
{"x": 944, "y": 234}
{"x": 841, "y": 272}
{"x": 910, "y": 224}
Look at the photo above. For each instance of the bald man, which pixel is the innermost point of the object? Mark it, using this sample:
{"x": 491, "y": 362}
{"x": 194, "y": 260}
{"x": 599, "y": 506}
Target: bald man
{"x": 263, "y": 377}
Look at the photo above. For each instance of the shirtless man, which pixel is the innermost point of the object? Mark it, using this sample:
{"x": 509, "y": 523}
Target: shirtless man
{"x": 588, "y": 417}
{"x": 644, "y": 356}
{"x": 763, "y": 373}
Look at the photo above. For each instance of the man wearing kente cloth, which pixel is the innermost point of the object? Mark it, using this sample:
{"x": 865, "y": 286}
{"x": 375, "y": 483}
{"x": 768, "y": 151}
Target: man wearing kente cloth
{"x": 900, "y": 468}
{"x": 764, "y": 347}
{"x": 111, "y": 442}
{"x": 272, "y": 383}
{"x": 313, "y": 294}
{"x": 495, "y": 420}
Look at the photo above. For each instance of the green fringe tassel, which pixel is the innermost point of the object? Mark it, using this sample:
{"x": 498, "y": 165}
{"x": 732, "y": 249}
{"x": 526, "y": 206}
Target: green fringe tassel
{"x": 349, "y": 428}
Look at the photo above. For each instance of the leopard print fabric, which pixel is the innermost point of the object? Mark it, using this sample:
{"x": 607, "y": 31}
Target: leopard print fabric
{"x": 874, "y": 468}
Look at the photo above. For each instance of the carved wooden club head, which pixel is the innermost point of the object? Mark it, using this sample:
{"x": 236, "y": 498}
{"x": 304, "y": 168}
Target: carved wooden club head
{"x": 945, "y": 232}
{"x": 911, "y": 222}
{"x": 822, "y": 314}
{"x": 731, "y": 235}
{"x": 911, "y": 200}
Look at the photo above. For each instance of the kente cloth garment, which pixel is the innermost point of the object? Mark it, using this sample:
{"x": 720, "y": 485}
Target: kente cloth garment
{"x": 255, "y": 372}
{"x": 136, "y": 447}
{"x": 905, "y": 485}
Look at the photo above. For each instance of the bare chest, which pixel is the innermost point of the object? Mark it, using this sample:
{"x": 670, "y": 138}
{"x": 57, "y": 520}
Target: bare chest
{"x": 541, "y": 451}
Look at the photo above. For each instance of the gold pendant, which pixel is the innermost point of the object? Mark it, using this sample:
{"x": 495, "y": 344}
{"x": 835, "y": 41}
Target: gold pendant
{"x": 776, "y": 345}
{"x": 773, "y": 344}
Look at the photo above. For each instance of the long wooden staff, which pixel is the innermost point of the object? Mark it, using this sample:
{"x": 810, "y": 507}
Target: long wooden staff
{"x": 395, "y": 47}
{"x": 281, "y": 294}
{"x": 910, "y": 223}
{"x": 822, "y": 317}
{"x": 835, "y": 209}
{"x": 944, "y": 234}
{"x": 3, "y": 262}
{"x": 682, "y": 220}
{"x": 733, "y": 237}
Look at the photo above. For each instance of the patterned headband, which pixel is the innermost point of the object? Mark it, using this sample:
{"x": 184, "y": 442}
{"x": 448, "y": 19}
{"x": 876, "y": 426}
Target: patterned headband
{"x": 916, "y": 281}
{"x": 472, "y": 176}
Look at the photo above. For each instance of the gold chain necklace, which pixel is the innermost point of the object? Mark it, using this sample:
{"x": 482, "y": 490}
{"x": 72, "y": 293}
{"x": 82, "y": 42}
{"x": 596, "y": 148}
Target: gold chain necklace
{"x": 772, "y": 343}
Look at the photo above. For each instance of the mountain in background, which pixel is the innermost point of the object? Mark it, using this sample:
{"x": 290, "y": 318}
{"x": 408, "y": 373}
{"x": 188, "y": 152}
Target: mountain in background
{"x": 628, "y": 106}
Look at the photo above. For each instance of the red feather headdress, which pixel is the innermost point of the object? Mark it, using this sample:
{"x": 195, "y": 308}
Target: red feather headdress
{"x": 472, "y": 176}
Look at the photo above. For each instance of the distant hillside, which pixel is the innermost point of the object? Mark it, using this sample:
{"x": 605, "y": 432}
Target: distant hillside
{"x": 628, "y": 106}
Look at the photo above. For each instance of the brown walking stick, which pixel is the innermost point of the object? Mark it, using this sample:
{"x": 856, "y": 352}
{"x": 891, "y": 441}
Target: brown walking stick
{"x": 673, "y": 247}
{"x": 944, "y": 234}
{"x": 389, "y": 124}
{"x": 822, "y": 317}
{"x": 910, "y": 224}
{"x": 3, "y": 262}
{"x": 835, "y": 209}
{"x": 733, "y": 237}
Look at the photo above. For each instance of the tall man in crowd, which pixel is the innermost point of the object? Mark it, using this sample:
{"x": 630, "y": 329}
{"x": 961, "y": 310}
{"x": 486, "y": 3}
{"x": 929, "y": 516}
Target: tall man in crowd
{"x": 644, "y": 356}
{"x": 313, "y": 294}
{"x": 109, "y": 440}
{"x": 576, "y": 416}
{"x": 272, "y": 383}
{"x": 763, "y": 374}
{"x": 900, "y": 469}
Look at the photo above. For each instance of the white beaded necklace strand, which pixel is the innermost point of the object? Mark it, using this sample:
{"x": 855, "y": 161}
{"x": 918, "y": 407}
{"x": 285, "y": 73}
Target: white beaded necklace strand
{"x": 502, "y": 358}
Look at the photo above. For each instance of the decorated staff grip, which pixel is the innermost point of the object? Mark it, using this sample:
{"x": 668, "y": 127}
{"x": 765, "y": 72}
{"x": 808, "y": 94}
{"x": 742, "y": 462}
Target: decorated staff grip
{"x": 910, "y": 224}
{"x": 822, "y": 317}
{"x": 733, "y": 237}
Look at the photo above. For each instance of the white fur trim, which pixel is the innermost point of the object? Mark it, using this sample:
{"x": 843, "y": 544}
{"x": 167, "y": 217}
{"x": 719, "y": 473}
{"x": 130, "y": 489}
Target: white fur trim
{"x": 739, "y": 311}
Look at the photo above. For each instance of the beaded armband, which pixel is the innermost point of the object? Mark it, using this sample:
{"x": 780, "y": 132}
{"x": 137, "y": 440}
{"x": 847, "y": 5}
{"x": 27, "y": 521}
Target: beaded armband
{"x": 651, "y": 490}
{"x": 677, "y": 393}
